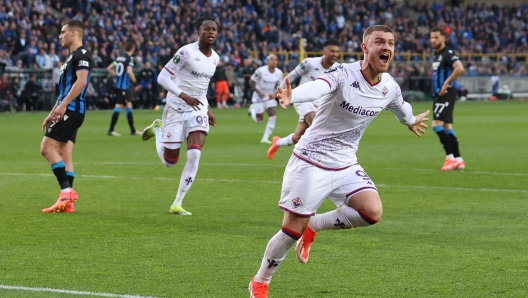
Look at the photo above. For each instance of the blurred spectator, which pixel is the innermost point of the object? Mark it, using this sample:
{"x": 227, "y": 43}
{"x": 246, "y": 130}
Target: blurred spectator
{"x": 5, "y": 93}
{"x": 16, "y": 91}
{"x": 30, "y": 93}
{"x": 220, "y": 84}
{"x": 91, "y": 96}
{"x": 148, "y": 85}
{"x": 43, "y": 59}
{"x": 249, "y": 68}
{"x": 233, "y": 84}
{"x": 55, "y": 76}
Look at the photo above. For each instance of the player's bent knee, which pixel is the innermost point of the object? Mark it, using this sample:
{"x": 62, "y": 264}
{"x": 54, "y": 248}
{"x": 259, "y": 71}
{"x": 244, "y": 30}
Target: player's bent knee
{"x": 356, "y": 218}
{"x": 169, "y": 162}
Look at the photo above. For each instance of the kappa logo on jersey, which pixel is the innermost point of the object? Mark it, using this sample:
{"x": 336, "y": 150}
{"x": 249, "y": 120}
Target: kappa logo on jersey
{"x": 355, "y": 85}
{"x": 297, "y": 202}
{"x": 384, "y": 91}
{"x": 331, "y": 69}
{"x": 176, "y": 59}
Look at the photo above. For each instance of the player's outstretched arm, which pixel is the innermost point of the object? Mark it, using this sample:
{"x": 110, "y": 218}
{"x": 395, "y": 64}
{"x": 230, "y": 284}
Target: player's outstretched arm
{"x": 419, "y": 126}
{"x": 306, "y": 92}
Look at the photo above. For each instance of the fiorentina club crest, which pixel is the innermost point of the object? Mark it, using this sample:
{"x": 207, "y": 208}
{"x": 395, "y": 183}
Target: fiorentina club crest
{"x": 169, "y": 135}
{"x": 297, "y": 202}
{"x": 384, "y": 91}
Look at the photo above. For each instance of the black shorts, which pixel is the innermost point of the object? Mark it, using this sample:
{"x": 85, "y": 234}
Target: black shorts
{"x": 123, "y": 96}
{"x": 443, "y": 106}
{"x": 66, "y": 129}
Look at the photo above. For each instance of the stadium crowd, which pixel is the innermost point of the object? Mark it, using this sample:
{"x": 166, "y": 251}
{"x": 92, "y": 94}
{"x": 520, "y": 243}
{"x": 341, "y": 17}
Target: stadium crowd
{"x": 249, "y": 31}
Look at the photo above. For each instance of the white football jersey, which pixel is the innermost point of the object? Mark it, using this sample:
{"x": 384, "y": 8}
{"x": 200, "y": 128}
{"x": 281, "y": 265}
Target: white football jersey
{"x": 192, "y": 71}
{"x": 266, "y": 82}
{"x": 344, "y": 114}
{"x": 309, "y": 70}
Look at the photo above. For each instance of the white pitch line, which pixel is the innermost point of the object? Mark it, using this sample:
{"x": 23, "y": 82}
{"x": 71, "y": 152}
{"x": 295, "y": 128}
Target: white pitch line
{"x": 279, "y": 182}
{"x": 454, "y": 188}
{"x": 84, "y": 293}
{"x": 465, "y": 171}
{"x": 262, "y": 165}
{"x": 151, "y": 163}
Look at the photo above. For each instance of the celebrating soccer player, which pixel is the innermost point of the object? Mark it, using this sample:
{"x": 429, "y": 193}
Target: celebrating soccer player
{"x": 64, "y": 120}
{"x": 186, "y": 115}
{"x": 324, "y": 162}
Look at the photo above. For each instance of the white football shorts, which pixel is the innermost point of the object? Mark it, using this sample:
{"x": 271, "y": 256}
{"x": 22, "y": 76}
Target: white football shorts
{"x": 178, "y": 125}
{"x": 306, "y": 186}
{"x": 261, "y": 106}
{"x": 303, "y": 108}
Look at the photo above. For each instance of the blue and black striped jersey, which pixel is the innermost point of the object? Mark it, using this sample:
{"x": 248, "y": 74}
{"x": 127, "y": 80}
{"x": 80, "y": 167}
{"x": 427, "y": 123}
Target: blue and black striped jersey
{"x": 78, "y": 60}
{"x": 121, "y": 66}
{"x": 443, "y": 68}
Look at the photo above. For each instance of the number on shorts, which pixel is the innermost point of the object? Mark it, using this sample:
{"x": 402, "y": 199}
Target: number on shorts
{"x": 363, "y": 174}
{"x": 439, "y": 107}
{"x": 202, "y": 120}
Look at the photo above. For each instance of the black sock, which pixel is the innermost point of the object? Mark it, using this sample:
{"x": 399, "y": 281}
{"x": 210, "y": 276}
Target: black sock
{"x": 115, "y": 116}
{"x": 71, "y": 176}
{"x": 60, "y": 174}
{"x": 131, "y": 122}
{"x": 445, "y": 140}
{"x": 454, "y": 144}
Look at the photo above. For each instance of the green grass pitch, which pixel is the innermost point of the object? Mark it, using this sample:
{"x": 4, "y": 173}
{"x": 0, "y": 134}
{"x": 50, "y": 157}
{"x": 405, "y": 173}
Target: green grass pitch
{"x": 443, "y": 234}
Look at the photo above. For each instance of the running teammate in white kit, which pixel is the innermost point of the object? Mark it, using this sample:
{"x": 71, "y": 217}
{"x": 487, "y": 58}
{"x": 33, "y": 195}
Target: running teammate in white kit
{"x": 186, "y": 115}
{"x": 324, "y": 162}
{"x": 308, "y": 70}
{"x": 264, "y": 82}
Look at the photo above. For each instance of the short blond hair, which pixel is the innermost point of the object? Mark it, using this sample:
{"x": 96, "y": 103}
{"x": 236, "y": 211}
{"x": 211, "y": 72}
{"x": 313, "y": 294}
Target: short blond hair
{"x": 371, "y": 29}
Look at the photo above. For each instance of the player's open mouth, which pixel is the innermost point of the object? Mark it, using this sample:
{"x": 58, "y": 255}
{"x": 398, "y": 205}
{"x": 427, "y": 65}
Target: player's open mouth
{"x": 384, "y": 58}
{"x": 210, "y": 38}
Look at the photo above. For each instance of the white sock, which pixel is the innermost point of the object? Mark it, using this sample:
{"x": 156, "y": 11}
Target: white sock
{"x": 269, "y": 127}
{"x": 159, "y": 143}
{"x": 66, "y": 189}
{"x": 253, "y": 114}
{"x": 450, "y": 156}
{"x": 459, "y": 159}
{"x": 344, "y": 217}
{"x": 188, "y": 174}
{"x": 276, "y": 251}
{"x": 286, "y": 141}
{"x": 160, "y": 147}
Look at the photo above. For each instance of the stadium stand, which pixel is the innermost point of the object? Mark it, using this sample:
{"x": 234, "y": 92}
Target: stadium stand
{"x": 490, "y": 39}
